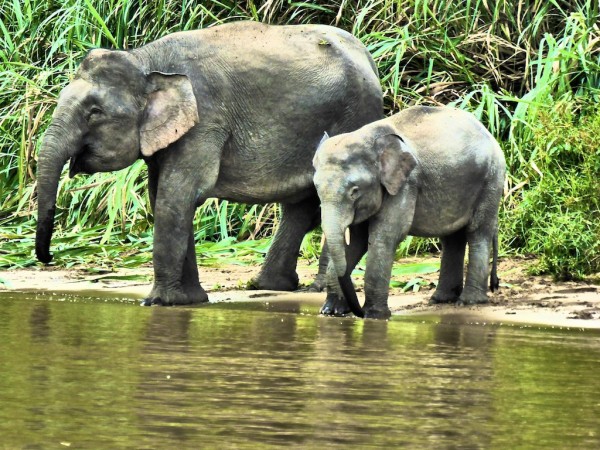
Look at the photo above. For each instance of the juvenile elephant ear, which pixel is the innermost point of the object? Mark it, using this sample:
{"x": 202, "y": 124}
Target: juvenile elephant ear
{"x": 171, "y": 110}
{"x": 321, "y": 142}
{"x": 396, "y": 162}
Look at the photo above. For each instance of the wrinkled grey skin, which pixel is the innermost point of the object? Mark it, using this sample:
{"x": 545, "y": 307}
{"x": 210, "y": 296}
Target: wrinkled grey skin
{"x": 422, "y": 172}
{"x": 233, "y": 111}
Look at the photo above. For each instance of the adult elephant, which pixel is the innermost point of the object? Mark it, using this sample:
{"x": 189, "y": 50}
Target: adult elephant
{"x": 234, "y": 111}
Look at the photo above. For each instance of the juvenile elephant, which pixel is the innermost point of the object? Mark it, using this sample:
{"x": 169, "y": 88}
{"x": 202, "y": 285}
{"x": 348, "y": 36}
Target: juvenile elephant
{"x": 425, "y": 172}
{"x": 233, "y": 111}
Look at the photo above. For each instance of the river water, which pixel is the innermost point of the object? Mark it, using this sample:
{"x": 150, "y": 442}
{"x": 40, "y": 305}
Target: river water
{"x": 84, "y": 373}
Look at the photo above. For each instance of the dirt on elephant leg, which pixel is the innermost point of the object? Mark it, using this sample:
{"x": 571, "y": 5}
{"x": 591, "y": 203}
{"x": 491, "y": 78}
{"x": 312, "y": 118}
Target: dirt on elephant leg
{"x": 273, "y": 282}
{"x": 175, "y": 297}
{"x": 380, "y": 313}
{"x": 443, "y": 296}
{"x": 472, "y": 296}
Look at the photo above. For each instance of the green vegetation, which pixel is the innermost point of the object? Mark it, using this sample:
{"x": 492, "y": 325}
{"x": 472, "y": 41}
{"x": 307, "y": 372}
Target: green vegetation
{"x": 558, "y": 216}
{"x": 530, "y": 70}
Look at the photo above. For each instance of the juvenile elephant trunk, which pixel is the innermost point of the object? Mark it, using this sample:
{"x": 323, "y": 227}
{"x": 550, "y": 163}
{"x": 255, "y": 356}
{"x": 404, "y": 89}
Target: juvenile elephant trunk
{"x": 335, "y": 235}
{"x": 54, "y": 153}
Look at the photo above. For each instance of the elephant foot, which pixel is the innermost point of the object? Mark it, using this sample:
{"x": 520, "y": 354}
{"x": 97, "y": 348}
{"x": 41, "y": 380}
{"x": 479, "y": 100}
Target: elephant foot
{"x": 159, "y": 297}
{"x": 319, "y": 284}
{"x": 471, "y": 296}
{"x": 380, "y": 313}
{"x": 335, "y": 306}
{"x": 272, "y": 282}
{"x": 441, "y": 296}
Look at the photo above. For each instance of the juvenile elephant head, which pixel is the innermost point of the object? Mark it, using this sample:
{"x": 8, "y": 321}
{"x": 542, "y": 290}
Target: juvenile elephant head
{"x": 110, "y": 115}
{"x": 353, "y": 173}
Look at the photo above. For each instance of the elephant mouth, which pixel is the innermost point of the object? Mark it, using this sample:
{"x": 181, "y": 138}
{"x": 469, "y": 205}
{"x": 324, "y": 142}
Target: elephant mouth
{"x": 77, "y": 165}
{"x": 74, "y": 167}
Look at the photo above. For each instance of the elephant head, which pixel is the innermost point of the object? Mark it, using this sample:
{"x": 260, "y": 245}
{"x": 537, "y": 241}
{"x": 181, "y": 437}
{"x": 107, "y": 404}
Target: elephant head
{"x": 112, "y": 113}
{"x": 353, "y": 173}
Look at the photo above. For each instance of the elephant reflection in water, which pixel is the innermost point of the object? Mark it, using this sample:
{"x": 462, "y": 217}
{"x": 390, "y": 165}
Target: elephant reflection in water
{"x": 40, "y": 322}
{"x": 216, "y": 366}
{"x": 414, "y": 377}
{"x": 219, "y": 374}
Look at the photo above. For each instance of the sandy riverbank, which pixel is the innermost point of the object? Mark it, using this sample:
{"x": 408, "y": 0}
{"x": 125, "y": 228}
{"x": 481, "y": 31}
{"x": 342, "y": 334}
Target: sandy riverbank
{"x": 522, "y": 299}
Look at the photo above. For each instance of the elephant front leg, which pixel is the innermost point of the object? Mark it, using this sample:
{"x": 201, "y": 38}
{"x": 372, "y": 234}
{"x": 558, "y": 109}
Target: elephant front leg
{"x": 175, "y": 270}
{"x": 175, "y": 191}
{"x": 386, "y": 231}
{"x": 190, "y": 280}
{"x": 380, "y": 260}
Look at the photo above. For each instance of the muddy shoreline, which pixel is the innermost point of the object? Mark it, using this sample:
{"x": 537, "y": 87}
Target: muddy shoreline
{"x": 522, "y": 299}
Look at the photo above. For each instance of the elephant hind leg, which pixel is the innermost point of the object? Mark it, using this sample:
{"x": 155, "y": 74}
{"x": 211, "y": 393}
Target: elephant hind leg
{"x": 278, "y": 272}
{"x": 450, "y": 283}
{"x": 475, "y": 290}
{"x": 320, "y": 282}
{"x": 481, "y": 233}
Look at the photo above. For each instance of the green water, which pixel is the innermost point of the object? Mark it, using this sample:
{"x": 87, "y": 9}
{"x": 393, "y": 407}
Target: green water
{"x": 106, "y": 374}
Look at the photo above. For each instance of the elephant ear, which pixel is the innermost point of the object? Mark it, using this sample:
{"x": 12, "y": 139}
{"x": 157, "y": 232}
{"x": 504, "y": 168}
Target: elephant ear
{"x": 321, "y": 142}
{"x": 396, "y": 162}
{"x": 171, "y": 111}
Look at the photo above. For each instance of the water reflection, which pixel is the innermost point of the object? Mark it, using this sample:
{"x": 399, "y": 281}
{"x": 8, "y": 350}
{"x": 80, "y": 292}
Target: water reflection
{"x": 111, "y": 375}
{"x": 39, "y": 322}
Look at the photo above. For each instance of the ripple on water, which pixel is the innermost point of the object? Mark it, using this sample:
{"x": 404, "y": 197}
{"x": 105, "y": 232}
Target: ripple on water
{"x": 98, "y": 373}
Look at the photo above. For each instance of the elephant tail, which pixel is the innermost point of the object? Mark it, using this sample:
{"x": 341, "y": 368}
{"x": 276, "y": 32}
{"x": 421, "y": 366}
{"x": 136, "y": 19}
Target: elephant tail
{"x": 494, "y": 280}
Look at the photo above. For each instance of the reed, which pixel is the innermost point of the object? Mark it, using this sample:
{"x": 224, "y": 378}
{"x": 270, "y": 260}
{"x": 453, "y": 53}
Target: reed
{"x": 520, "y": 66}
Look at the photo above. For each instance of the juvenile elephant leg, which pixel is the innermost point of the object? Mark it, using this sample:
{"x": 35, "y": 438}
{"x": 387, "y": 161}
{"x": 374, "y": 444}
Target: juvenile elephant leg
{"x": 385, "y": 233}
{"x": 335, "y": 303}
{"x": 479, "y": 237}
{"x": 475, "y": 290}
{"x": 377, "y": 280}
{"x": 450, "y": 283}
{"x": 278, "y": 272}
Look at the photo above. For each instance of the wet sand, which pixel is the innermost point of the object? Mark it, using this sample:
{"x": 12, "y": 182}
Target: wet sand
{"x": 522, "y": 299}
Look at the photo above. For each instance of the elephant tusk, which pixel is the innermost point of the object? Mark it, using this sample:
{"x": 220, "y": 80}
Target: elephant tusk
{"x": 347, "y": 236}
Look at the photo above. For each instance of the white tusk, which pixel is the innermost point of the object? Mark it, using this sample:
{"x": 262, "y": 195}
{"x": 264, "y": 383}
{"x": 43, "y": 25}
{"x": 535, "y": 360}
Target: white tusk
{"x": 347, "y": 236}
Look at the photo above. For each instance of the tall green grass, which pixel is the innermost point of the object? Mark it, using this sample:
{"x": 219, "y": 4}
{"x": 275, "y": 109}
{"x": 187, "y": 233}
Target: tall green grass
{"x": 520, "y": 66}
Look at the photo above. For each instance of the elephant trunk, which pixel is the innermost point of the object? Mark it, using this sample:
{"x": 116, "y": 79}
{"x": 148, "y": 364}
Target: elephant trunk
{"x": 335, "y": 231}
{"x": 56, "y": 150}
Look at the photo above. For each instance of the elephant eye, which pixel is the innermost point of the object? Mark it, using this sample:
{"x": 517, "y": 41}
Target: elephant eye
{"x": 354, "y": 193}
{"x": 94, "y": 113}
